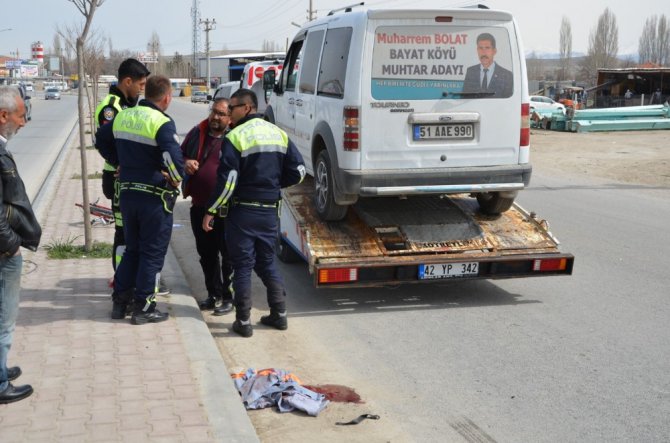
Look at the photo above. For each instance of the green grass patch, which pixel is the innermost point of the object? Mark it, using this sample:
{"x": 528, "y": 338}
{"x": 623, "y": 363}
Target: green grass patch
{"x": 65, "y": 248}
{"x": 95, "y": 175}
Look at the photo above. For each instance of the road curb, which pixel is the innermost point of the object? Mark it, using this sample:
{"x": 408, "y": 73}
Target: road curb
{"x": 225, "y": 410}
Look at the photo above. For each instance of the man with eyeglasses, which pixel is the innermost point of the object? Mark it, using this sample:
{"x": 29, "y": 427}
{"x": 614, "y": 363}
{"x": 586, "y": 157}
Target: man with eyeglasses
{"x": 202, "y": 149}
{"x": 257, "y": 160}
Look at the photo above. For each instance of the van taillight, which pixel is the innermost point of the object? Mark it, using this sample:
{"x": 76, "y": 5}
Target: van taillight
{"x": 351, "y": 126}
{"x": 525, "y": 125}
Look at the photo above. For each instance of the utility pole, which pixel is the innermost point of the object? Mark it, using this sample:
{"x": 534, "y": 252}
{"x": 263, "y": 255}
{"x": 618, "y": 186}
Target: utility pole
{"x": 311, "y": 13}
{"x": 208, "y": 26}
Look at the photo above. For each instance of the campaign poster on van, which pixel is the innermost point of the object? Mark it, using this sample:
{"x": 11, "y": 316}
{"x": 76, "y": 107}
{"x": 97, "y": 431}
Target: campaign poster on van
{"x": 436, "y": 62}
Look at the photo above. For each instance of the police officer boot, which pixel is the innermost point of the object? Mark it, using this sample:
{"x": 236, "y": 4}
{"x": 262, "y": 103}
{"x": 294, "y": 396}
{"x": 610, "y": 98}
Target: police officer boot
{"x": 147, "y": 313}
{"x": 222, "y": 306}
{"x": 276, "y": 296}
{"x": 242, "y": 325}
{"x": 207, "y": 304}
{"x": 277, "y": 319}
{"x": 120, "y": 302}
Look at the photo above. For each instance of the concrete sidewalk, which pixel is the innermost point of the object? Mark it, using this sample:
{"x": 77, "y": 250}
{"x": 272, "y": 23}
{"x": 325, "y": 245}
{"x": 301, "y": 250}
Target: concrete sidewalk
{"x": 97, "y": 379}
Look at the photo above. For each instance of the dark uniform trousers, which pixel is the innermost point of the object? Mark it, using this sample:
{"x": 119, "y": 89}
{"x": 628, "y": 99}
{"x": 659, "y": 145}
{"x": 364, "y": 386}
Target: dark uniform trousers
{"x": 109, "y": 184}
{"x": 211, "y": 247}
{"x": 251, "y": 235}
{"x": 147, "y": 227}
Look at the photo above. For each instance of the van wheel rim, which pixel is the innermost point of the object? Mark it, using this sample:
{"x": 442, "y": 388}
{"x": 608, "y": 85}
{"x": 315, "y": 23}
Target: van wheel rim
{"x": 321, "y": 185}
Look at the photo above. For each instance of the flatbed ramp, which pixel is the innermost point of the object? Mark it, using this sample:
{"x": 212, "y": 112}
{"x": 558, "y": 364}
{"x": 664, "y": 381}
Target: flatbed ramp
{"x": 389, "y": 241}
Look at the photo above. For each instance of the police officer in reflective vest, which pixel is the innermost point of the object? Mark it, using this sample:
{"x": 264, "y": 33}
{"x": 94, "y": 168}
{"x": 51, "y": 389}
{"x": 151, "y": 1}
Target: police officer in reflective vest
{"x": 257, "y": 160}
{"x": 145, "y": 146}
{"x": 132, "y": 77}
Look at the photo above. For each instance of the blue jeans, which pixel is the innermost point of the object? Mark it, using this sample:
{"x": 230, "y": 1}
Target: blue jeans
{"x": 10, "y": 287}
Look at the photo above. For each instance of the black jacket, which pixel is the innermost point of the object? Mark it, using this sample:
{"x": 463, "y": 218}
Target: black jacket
{"x": 18, "y": 225}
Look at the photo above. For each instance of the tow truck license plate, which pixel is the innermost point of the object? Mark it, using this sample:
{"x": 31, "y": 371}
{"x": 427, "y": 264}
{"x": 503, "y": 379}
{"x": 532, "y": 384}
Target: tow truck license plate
{"x": 444, "y": 132}
{"x": 448, "y": 270}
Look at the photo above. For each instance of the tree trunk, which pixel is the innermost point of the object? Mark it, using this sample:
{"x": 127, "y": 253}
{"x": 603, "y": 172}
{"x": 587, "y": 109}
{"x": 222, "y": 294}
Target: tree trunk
{"x": 88, "y": 241}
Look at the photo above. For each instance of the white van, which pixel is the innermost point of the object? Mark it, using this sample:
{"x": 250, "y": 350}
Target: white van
{"x": 395, "y": 103}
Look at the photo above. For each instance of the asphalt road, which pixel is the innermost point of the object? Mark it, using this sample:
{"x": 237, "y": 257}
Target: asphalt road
{"x": 38, "y": 143}
{"x": 578, "y": 358}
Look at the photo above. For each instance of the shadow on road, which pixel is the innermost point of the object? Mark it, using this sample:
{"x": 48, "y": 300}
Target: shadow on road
{"x": 307, "y": 301}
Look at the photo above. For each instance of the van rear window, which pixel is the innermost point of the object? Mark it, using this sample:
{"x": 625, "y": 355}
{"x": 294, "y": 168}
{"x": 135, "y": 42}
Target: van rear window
{"x": 440, "y": 62}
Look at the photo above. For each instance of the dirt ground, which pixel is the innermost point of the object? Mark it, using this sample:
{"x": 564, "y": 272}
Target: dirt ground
{"x": 640, "y": 157}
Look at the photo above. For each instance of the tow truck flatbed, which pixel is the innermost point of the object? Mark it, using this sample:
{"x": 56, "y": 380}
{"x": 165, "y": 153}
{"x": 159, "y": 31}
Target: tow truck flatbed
{"x": 388, "y": 241}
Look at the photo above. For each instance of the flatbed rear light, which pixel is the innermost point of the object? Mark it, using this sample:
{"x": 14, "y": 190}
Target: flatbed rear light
{"x": 338, "y": 275}
{"x": 551, "y": 264}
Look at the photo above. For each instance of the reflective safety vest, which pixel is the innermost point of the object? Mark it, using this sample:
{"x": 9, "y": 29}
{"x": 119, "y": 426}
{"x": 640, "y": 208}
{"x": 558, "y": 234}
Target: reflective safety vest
{"x": 259, "y": 143}
{"x": 141, "y": 124}
{"x": 110, "y": 101}
{"x": 257, "y": 136}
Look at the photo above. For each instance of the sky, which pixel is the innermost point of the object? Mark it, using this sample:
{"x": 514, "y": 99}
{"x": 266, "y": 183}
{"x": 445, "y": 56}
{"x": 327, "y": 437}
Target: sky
{"x": 247, "y": 24}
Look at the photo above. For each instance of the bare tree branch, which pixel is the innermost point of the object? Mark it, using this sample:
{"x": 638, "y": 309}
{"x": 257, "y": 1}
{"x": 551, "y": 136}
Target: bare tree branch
{"x": 87, "y": 8}
{"x": 565, "y": 48}
{"x": 654, "y": 43}
{"x": 603, "y": 46}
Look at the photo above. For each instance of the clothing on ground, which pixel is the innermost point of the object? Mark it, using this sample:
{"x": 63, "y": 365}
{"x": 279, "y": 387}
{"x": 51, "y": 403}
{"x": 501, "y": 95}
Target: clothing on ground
{"x": 270, "y": 387}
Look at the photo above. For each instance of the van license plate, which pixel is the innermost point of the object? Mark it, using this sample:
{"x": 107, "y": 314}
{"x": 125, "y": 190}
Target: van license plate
{"x": 444, "y": 132}
{"x": 448, "y": 270}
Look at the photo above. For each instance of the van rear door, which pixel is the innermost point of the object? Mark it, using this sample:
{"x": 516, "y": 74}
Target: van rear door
{"x": 429, "y": 104}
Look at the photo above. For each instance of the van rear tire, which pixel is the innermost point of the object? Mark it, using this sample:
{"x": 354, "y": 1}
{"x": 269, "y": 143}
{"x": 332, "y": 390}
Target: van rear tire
{"x": 493, "y": 203}
{"x": 324, "y": 188}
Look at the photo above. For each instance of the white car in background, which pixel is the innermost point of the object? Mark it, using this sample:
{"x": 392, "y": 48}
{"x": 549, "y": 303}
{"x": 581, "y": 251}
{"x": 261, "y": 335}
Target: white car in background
{"x": 52, "y": 94}
{"x": 199, "y": 97}
{"x": 541, "y": 103}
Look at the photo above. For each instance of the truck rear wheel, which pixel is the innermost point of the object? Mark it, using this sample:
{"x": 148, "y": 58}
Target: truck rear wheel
{"x": 494, "y": 203}
{"x": 285, "y": 253}
{"x": 324, "y": 188}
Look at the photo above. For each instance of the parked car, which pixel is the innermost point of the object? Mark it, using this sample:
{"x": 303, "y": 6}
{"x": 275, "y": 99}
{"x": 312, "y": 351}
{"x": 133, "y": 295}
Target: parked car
{"x": 52, "y": 94}
{"x": 540, "y": 102}
{"x": 199, "y": 97}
